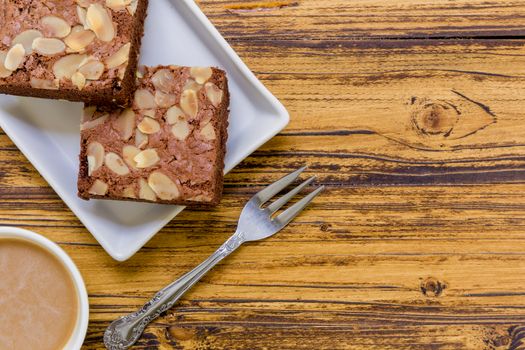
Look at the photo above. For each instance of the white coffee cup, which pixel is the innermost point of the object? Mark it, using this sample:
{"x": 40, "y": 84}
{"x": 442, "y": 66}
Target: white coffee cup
{"x": 79, "y": 332}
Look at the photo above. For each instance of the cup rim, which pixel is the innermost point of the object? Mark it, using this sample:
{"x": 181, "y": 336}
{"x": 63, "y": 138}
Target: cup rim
{"x": 79, "y": 333}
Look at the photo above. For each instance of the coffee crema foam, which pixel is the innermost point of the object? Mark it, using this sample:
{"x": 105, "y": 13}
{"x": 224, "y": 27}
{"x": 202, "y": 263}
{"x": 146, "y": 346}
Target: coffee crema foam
{"x": 38, "y": 300}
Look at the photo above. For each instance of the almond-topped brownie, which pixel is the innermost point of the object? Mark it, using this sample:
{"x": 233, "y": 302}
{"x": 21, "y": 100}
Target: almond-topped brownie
{"x": 77, "y": 50}
{"x": 167, "y": 148}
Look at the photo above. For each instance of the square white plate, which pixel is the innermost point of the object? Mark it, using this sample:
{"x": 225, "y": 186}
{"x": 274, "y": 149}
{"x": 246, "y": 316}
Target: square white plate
{"x": 47, "y": 131}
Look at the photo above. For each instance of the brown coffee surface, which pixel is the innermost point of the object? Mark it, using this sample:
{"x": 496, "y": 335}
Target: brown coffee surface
{"x": 38, "y": 299}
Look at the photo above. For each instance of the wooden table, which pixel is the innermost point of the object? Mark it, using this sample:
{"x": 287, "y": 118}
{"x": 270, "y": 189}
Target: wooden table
{"x": 411, "y": 112}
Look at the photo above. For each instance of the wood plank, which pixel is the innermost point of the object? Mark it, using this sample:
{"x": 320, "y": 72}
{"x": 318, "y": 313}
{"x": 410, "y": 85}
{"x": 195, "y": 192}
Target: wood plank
{"x": 342, "y": 19}
{"x": 403, "y": 112}
{"x": 360, "y": 268}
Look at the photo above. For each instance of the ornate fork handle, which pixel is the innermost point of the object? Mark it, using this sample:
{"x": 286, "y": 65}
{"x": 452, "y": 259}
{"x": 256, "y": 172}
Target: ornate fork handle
{"x": 123, "y": 332}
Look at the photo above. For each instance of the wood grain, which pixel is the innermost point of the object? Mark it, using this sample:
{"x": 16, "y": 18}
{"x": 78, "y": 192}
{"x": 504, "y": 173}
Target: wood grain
{"x": 411, "y": 112}
{"x": 400, "y": 112}
{"x": 343, "y": 19}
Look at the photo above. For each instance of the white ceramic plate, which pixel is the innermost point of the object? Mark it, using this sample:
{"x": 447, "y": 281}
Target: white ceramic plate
{"x": 47, "y": 132}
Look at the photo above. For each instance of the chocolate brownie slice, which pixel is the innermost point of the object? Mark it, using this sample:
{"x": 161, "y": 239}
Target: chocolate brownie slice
{"x": 78, "y": 50}
{"x": 168, "y": 148}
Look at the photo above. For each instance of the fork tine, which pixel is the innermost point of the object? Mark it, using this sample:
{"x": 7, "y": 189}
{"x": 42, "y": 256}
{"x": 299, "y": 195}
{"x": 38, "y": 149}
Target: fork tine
{"x": 268, "y": 192}
{"x": 272, "y": 208}
{"x": 289, "y": 214}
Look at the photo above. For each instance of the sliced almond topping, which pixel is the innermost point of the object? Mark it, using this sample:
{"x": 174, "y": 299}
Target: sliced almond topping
{"x": 116, "y": 164}
{"x": 88, "y": 113}
{"x": 149, "y": 113}
{"x": 79, "y": 80}
{"x": 181, "y": 129}
{"x": 90, "y": 124}
{"x": 69, "y": 50}
{"x": 129, "y": 192}
{"x": 14, "y": 57}
{"x": 48, "y": 46}
{"x": 145, "y": 192}
{"x": 201, "y": 74}
{"x": 144, "y": 99}
{"x": 74, "y": 30}
{"x": 4, "y": 72}
{"x": 119, "y": 57}
{"x": 117, "y": 5}
{"x": 192, "y": 85}
{"x": 205, "y": 121}
{"x": 92, "y": 70}
{"x": 84, "y": 3}
{"x": 26, "y": 39}
{"x": 189, "y": 103}
{"x": 164, "y": 100}
{"x": 45, "y": 84}
{"x": 79, "y": 40}
{"x": 141, "y": 71}
{"x": 163, "y": 186}
{"x": 214, "y": 94}
{"x": 200, "y": 198}
{"x": 129, "y": 153}
{"x": 81, "y": 14}
{"x": 56, "y": 26}
{"x": 132, "y": 8}
{"x": 174, "y": 114}
{"x": 149, "y": 126}
{"x": 95, "y": 157}
{"x": 125, "y": 124}
{"x": 99, "y": 188}
{"x": 208, "y": 132}
{"x": 66, "y": 66}
{"x": 99, "y": 20}
{"x": 141, "y": 139}
{"x": 163, "y": 80}
{"x": 77, "y": 28}
{"x": 121, "y": 73}
{"x": 147, "y": 158}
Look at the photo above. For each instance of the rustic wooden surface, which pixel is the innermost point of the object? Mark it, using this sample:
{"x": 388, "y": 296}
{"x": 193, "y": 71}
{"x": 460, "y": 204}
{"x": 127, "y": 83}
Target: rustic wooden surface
{"x": 411, "y": 112}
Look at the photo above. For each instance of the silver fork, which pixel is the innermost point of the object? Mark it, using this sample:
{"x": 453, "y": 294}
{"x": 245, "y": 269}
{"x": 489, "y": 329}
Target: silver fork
{"x": 255, "y": 223}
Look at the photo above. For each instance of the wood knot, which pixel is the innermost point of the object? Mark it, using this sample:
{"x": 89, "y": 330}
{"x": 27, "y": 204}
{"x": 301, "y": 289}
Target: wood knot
{"x": 501, "y": 341}
{"x": 432, "y": 287}
{"x": 451, "y": 117}
{"x": 517, "y": 338}
{"x": 325, "y": 227}
{"x": 433, "y": 117}
{"x": 497, "y": 337}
